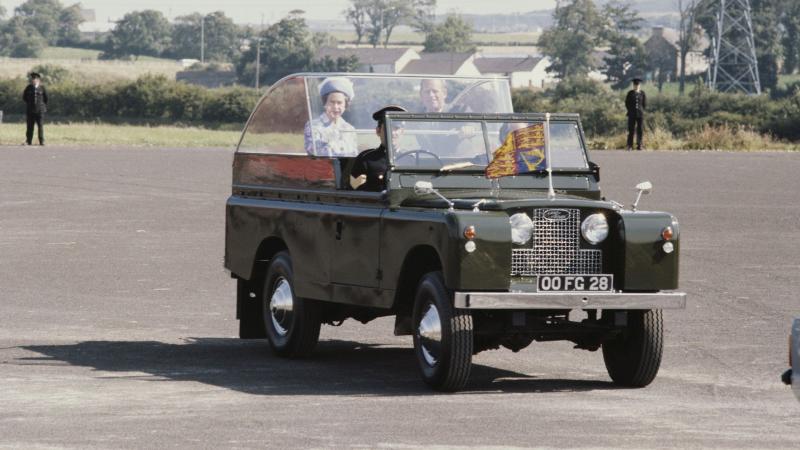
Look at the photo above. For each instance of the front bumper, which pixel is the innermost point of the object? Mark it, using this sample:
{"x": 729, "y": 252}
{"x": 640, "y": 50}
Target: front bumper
{"x": 570, "y": 300}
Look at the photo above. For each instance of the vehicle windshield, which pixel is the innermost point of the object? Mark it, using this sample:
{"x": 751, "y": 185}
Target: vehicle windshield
{"x": 425, "y": 144}
{"x": 417, "y": 94}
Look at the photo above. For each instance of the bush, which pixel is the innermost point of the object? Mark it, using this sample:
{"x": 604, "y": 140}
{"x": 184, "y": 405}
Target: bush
{"x": 149, "y": 99}
{"x": 231, "y": 105}
{"x": 727, "y": 138}
{"x": 52, "y": 73}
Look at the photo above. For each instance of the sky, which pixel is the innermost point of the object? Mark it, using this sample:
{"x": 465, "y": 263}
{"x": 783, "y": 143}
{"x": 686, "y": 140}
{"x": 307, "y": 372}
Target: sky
{"x": 250, "y": 11}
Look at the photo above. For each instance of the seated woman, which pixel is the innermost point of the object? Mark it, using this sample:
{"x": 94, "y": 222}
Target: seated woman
{"x": 329, "y": 134}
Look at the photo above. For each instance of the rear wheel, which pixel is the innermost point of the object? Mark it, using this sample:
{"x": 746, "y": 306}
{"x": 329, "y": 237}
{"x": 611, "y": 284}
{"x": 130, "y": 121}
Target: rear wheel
{"x": 633, "y": 358}
{"x": 443, "y": 339}
{"x": 291, "y": 323}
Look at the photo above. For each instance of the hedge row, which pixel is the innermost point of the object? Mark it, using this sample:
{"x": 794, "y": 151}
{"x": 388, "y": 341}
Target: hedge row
{"x": 603, "y": 111}
{"x": 148, "y": 99}
{"x": 155, "y": 99}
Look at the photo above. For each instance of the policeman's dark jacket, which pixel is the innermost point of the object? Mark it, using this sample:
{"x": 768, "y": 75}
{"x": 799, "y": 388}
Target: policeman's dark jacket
{"x": 636, "y": 103}
{"x": 372, "y": 163}
{"x": 35, "y": 99}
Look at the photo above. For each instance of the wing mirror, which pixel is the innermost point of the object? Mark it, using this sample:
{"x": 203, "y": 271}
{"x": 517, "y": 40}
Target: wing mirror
{"x": 644, "y": 188}
{"x": 423, "y": 187}
{"x": 426, "y": 187}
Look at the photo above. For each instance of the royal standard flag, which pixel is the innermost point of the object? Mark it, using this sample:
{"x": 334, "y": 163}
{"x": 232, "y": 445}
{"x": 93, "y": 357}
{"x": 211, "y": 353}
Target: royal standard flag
{"x": 522, "y": 152}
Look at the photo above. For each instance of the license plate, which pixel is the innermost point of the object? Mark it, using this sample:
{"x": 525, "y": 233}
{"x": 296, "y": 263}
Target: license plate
{"x": 575, "y": 283}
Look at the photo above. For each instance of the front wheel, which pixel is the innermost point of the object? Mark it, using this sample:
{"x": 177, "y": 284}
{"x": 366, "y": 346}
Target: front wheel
{"x": 633, "y": 358}
{"x": 291, "y": 323}
{"x": 443, "y": 339}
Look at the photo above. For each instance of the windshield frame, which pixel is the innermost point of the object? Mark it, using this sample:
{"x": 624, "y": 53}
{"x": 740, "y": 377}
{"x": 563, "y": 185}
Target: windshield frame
{"x": 483, "y": 119}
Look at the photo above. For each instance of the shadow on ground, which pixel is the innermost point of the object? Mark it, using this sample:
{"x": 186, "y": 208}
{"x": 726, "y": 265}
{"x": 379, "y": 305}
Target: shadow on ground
{"x": 336, "y": 367}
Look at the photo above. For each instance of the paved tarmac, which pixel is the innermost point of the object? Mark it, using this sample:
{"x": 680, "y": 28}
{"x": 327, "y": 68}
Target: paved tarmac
{"x": 117, "y": 325}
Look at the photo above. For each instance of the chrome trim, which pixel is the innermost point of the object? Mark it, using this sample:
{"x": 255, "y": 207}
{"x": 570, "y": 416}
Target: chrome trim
{"x": 281, "y": 306}
{"x": 569, "y": 300}
{"x": 430, "y": 335}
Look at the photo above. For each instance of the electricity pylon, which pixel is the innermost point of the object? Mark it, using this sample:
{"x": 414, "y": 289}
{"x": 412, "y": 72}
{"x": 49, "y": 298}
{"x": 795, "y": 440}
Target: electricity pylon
{"x": 734, "y": 67}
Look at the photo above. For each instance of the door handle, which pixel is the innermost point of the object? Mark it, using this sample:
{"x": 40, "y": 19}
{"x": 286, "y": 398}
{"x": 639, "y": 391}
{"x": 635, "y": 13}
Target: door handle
{"x": 339, "y": 231}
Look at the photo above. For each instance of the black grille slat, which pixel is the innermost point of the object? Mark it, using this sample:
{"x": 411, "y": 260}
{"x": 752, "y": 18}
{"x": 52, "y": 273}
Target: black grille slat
{"x": 555, "y": 248}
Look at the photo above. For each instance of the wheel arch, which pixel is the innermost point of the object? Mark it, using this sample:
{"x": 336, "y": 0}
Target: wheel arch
{"x": 267, "y": 250}
{"x": 418, "y": 261}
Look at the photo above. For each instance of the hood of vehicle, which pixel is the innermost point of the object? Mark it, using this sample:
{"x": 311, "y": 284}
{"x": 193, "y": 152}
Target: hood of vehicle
{"x": 507, "y": 204}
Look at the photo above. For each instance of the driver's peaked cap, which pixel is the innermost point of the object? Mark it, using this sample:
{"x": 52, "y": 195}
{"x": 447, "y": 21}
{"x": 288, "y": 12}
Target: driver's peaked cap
{"x": 380, "y": 115}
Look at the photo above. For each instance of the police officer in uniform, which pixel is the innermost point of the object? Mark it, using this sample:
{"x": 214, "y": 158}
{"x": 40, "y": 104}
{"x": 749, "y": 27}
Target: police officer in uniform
{"x": 370, "y": 166}
{"x": 35, "y": 98}
{"x": 635, "y": 103}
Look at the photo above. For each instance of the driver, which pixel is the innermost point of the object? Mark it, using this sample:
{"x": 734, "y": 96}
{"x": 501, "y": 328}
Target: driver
{"x": 369, "y": 168}
{"x": 433, "y": 99}
{"x": 432, "y": 95}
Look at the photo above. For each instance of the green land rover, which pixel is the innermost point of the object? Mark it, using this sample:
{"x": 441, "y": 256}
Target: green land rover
{"x": 488, "y": 229}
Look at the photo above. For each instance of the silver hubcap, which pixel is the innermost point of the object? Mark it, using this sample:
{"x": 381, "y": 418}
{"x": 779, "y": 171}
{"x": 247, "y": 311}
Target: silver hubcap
{"x": 430, "y": 335}
{"x": 281, "y": 306}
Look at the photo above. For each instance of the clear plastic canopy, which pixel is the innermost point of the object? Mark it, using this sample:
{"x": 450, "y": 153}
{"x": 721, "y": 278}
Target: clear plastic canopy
{"x": 294, "y": 118}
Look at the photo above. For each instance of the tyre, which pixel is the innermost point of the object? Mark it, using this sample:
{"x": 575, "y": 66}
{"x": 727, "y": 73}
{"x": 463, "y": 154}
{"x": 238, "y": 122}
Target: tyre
{"x": 291, "y": 323}
{"x": 633, "y": 358}
{"x": 443, "y": 339}
{"x": 248, "y": 311}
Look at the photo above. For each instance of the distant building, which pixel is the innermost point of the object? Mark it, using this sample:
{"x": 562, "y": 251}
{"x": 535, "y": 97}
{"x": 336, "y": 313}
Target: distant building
{"x": 459, "y": 64}
{"x": 378, "y": 60}
{"x": 88, "y": 15}
{"x": 522, "y": 71}
{"x": 664, "y": 45}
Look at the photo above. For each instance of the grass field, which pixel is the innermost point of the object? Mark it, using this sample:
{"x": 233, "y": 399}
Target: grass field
{"x": 91, "y": 70}
{"x": 99, "y": 135}
{"x": 59, "y": 53}
{"x": 102, "y": 135}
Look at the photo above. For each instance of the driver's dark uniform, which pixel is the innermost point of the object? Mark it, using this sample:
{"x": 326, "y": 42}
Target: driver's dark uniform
{"x": 373, "y": 163}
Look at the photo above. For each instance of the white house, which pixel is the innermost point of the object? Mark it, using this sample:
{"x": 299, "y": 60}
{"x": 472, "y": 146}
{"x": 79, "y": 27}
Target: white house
{"x": 460, "y": 64}
{"x": 378, "y": 60}
{"x": 522, "y": 71}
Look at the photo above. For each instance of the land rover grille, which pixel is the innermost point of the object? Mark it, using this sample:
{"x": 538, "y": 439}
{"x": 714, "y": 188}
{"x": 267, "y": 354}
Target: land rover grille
{"x": 555, "y": 246}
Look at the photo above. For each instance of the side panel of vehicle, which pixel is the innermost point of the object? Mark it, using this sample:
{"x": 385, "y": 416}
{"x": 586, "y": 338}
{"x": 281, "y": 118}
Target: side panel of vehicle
{"x": 301, "y": 226}
{"x": 647, "y": 267}
{"x": 486, "y": 268}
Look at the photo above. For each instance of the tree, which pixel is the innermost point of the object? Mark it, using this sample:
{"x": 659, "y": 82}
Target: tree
{"x": 2, "y": 11}
{"x": 322, "y": 39}
{"x": 138, "y": 33}
{"x": 689, "y": 35}
{"x": 767, "y": 36}
{"x": 578, "y": 28}
{"x": 340, "y": 64}
{"x": 627, "y": 57}
{"x": 790, "y": 19}
{"x": 384, "y": 16}
{"x": 377, "y": 19}
{"x": 356, "y": 14}
{"x": 69, "y": 21}
{"x": 20, "y": 39}
{"x": 220, "y": 36}
{"x": 424, "y": 15}
{"x": 286, "y": 47}
{"x": 452, "y": 35}
{"x": 58, "y": 25}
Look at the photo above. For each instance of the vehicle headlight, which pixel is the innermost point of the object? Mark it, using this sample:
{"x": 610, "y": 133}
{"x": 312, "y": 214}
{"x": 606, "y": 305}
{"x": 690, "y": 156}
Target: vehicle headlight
{"x": 521, "y": 228}
{"x": 595, "y": 228}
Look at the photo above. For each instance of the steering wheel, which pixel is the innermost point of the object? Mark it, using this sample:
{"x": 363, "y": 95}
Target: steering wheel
{"x": 416, "y": 153}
